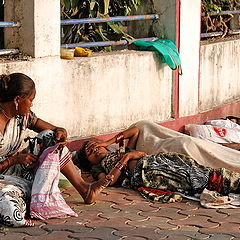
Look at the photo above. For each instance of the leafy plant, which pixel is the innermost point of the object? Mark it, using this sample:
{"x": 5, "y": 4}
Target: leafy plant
{"x": 75, "y": 9}
{"x": 220, "y": 5}
{"x": 218, "y": 22}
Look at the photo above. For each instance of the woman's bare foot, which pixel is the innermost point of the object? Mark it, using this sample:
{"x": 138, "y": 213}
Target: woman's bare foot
{"x": 95, "y": 188}
{"x": 29, "y": 223}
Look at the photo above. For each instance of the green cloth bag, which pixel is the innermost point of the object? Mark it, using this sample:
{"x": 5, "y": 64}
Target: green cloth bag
{"x": 166, "y": 48}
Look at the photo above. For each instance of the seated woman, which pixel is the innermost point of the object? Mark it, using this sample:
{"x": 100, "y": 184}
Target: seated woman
{"x": 170, "y": 172}
{"x": 17, "y": 92}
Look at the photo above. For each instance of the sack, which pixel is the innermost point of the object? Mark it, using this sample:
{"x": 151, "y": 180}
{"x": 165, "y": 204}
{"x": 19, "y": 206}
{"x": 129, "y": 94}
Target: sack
{"x": 166, "y": 48}
{"x": 213, "y": 133}
{"x": 46, "y": 199}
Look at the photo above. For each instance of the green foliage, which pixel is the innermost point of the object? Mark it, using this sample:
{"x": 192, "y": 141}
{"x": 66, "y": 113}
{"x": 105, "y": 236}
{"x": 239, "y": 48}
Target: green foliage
{"x": 218, "y": 22}
{"x": 75, "y": 9}
{"x": 220, "y": 5}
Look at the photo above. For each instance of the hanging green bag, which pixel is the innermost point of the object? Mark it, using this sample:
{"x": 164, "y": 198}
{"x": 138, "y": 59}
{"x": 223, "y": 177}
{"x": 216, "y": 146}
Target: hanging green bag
{"x": 166, "y": 48}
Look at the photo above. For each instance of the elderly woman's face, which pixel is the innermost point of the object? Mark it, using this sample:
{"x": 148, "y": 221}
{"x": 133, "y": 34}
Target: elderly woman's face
{"x": 96, "y": 155}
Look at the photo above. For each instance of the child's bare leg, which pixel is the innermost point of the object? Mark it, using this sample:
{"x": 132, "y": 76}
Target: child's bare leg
{"x": 88, "y": 191}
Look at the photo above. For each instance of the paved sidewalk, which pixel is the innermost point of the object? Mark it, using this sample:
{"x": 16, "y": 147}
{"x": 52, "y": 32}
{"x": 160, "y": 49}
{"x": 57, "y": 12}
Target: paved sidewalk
{"x": 123, "y": 214}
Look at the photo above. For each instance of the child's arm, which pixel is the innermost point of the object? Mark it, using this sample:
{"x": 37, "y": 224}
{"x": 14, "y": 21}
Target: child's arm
{"x": 131, "y": 134}
{"x": 235, "y": 146}
{"x": 116, "y": 171}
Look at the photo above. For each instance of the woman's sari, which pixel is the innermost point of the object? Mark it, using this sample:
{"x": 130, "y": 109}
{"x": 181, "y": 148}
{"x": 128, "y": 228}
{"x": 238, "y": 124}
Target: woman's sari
{"x": 16, "y": 181}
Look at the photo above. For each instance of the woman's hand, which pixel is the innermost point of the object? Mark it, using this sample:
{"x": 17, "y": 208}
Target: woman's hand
{"x": 26, "y": 159}
{"x": 60, "y": 134}
{"x": 92, "y": 145}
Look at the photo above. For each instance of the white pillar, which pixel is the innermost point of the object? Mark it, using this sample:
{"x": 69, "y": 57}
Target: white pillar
{"x": 39, "y": 31}
{"x": 190, "y": 30}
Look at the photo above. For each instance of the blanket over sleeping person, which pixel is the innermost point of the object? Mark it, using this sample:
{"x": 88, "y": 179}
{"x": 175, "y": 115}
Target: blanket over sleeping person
{"x": 154, "y": 138}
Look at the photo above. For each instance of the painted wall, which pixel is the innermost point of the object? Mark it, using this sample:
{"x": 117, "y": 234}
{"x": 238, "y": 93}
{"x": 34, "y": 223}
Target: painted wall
{"x": 100, "y": 93}
{"x": 184, "y": 30}
{"x": 108, "y": 91}
{"x": 220, "y": 73}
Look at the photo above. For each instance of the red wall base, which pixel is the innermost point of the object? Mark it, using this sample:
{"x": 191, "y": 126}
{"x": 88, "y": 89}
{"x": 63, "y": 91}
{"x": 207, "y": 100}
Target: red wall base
{"x": 216, "y": 113}
{"x": 179, "y": 123}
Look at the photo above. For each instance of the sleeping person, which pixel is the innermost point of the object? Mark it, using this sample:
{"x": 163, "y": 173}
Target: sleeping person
{"x": 169, "y": 171}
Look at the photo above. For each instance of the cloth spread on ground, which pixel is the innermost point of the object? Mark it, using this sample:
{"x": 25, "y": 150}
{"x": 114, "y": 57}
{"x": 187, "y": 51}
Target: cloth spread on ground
{"x": 173, "y": 174}
{"x": 166, "y": 48}
{"x": 154, "y": 138}
{"x": 168, "y": 172}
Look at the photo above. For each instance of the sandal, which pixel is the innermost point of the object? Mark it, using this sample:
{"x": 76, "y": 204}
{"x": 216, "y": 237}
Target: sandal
{"x": 95, "y": 188}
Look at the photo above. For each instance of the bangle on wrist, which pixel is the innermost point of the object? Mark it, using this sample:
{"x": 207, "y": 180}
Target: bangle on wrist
{"x": 119, "y": 137}
{"x": 119, "y": 166}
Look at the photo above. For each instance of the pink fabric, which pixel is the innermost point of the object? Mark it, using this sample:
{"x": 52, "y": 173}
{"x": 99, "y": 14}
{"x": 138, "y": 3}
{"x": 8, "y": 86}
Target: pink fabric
{"x": 46, "y": 199}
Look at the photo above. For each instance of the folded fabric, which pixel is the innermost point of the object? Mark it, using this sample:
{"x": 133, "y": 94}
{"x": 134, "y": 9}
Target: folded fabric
{"x": 46, "y": 199}
{"x": 166, "y": 48}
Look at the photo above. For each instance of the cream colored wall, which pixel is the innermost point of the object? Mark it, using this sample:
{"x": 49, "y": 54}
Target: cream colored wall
{"x": 112, "y": 91}
{"x": 220, "y": 74}
{"x": 189, "y": 31}
{"x": 189, "y": 52}
{"x": 101, "y": 93}
{"x": 107, "y": 92}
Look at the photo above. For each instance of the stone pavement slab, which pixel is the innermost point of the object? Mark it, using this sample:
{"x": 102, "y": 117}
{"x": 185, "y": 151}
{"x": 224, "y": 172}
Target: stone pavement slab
{"x": 123, "y": 214}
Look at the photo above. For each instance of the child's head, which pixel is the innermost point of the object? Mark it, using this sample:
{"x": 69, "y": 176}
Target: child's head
{"x": 81, "y": 159}
{"x": 88, "y": 156}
